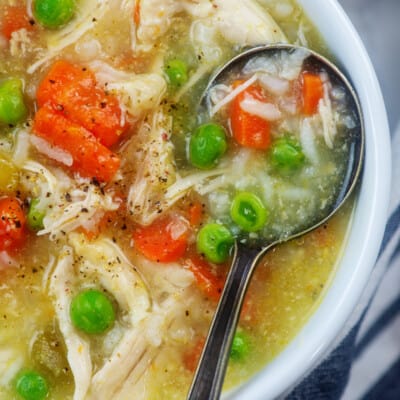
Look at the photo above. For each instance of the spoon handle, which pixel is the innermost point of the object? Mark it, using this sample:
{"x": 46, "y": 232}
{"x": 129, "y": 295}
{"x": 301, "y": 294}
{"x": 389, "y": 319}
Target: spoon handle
{"x": 210, "y": 373}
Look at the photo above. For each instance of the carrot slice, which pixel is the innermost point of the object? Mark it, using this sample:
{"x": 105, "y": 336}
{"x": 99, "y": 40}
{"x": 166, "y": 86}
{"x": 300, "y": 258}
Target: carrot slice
{"x": 73, "y": 91}
{"x": 249, "y": 130}
{"x": 90, "y": 158}
{"x": 12, "y": 223}
{"x": 313, "y": 92}
{"x": 192, "y": 356}
{"x": 195, "y": 213}
{"x": 14, "y": 19}
{"x": 165, "y": 240}
{"x": 209, "y": 283}
{"x": 63, "y": 74}
{"x": 136, "y": 13}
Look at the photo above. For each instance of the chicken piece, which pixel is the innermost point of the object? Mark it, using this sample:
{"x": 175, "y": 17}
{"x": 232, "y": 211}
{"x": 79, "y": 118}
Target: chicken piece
{"x": 240, "y": 22}
{"x": 104, "y": 260}
{"x": 154, "y": 17}
{"x": 62, "y": 285}
{"x": 68, "y": 204}
{"x": 246, "y": 23}
{"x": 147, "y": 322}
{"x": 137, "y": 94}
{"x": 151, "y": 154}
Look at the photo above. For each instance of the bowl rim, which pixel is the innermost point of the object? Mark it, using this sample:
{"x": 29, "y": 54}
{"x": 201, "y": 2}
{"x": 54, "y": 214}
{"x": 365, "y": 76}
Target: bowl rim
{"x": 369, "y": 218}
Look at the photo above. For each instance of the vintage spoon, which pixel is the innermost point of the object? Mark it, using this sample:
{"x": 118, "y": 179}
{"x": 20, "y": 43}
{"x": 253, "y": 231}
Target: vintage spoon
{"x": 210, "y": 373}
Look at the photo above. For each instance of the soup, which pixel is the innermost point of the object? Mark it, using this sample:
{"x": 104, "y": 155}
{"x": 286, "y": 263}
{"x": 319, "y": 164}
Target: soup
{"x": 116, "y": 230}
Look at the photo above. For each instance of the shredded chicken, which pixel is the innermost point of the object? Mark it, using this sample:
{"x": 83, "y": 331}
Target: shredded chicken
{"x": 62, "y": 283}
{"x": 231, "y": 95}
{"x": 116, "y": 274}
{"x": 307, "y": 140}
{"x": 156, "y": 17}
{"x": 21, "y": 148}
{"x": 245, "y": 23}
{"x": 151, "y": 154}
{"x": 68, "y": 203}
{"x": 327, "y": 116}
{"x": 241, "y": 22}
{"x": 267, "y": 111}
{"x": 195, "y": 181}
{"x": 148, "y": 318}
{"x": 137, "y": 94}
{"x": 106, "y": 262}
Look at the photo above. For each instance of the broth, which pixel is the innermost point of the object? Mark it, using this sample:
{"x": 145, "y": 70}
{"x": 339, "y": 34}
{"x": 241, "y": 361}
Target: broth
{"x": 122, "y": 216}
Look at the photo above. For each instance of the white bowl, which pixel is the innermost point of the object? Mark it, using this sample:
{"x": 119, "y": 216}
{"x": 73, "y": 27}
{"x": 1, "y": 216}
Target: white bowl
{"x": 312, "y": 343}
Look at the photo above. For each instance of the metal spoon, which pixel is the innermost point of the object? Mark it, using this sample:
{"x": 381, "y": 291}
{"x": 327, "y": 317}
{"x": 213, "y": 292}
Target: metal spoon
{"x": 210, "y": 373}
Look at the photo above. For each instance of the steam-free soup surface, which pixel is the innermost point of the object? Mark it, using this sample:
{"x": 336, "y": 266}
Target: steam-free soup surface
{"x": 116, "y": 229}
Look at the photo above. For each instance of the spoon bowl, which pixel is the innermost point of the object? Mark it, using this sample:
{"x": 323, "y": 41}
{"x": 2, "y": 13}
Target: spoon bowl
{"x": 210, "y": 373}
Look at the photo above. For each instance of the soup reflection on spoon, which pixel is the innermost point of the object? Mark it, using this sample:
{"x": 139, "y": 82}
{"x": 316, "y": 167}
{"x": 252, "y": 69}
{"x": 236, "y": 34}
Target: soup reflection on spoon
{"x": 313, "y": 156}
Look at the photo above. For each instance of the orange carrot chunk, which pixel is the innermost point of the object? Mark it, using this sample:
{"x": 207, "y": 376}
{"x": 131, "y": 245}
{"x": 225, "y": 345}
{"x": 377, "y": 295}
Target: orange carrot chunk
{"x": 249, "y": 130}
{"x": 313, "y": 92}
{"x": 12, "y": 224}
{"x": 192, "y": 356}
{"x": 63, "y": 74}
{"x": 209, "y": 283}
{"x": 195, "y": 213}
{"x": 90, "y": 158}
{"x": 14, "y": 19}
{"x": 136, "y": 13}
{"x": 165, "y": 240}
{"x": 73, "y": 91}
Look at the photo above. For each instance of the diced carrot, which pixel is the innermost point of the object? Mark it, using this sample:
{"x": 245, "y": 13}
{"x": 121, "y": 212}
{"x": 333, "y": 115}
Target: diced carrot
{"x": 90, "y": 158}
{"x": 249, "y": 130}
{"x": 136, "y": 13}
{"x": 313, "y": 92}
{"x": 108, "y": 220}
{"x": 63, "y": 74}
{"x": 12, "y": 223}
{"x": 72, "y": 91}
{"x": 209, "y": 283}
{"x": 165, "y": 240}
{"x": 192, "y": 356}
{"x": 195, "y": 213}
{"x": 14, "y": 19}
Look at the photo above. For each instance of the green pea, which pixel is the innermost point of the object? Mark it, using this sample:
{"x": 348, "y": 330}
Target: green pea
{"x": 240, "y": 346}
{"x": 207, "y": 146}
{"x": 54, "y": 14}
{"x": 35, "y": 215}
{"x": 286, "y": 155}
{"x": 215, "y": 241}
{"x": 249, "y": 212}
{"x": 12, "y": 106}
{"x": 177, "y": 72}
{"x": 31, "y": 386}
{"x": 92, "y": 312}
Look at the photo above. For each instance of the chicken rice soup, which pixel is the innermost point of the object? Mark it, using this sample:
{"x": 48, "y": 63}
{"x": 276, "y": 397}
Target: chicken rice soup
{"x": 120, "y": 199}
